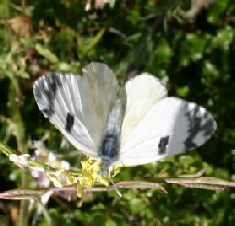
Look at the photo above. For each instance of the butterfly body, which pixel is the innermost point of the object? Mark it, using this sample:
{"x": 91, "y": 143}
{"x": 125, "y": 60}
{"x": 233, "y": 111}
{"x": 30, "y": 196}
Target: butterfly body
{"x": 89, "y": 113}
{"x": 110, "y": 143}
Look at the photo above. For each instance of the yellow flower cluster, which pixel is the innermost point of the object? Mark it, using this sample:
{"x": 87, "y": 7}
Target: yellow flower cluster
{"x": 90, "y": 175}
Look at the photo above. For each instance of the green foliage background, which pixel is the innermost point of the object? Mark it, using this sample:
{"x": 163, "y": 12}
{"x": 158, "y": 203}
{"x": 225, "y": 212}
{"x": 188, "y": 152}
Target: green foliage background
{"x": 196, "y": 59}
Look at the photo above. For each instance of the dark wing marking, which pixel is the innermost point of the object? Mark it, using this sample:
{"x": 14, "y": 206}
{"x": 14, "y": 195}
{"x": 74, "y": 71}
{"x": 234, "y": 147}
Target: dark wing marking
{"x": 199, "y": 122}
{"x": 49, "y": 88}
{"x": 162, "y": 145}
{"x": 69, "y": 122}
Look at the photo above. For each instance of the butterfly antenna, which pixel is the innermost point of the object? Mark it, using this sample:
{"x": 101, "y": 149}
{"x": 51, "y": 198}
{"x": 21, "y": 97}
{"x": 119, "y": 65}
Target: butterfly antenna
{"x": 118, "y": 192}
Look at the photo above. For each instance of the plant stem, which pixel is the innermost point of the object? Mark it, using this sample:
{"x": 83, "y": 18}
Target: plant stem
{"x": 15, "y": 107}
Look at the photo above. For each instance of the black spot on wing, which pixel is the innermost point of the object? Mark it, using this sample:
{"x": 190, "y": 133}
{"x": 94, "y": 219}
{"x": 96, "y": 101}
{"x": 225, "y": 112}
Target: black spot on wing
{"x": 47, "y": 112}
{"x": 69, "y": 122}
{"x": 199, "y": 122}
{"x": 194, "y": 126}
{"x": 209, "y": 127}
{"x": 46, "y": 87}
{"x": 162, "y": 145}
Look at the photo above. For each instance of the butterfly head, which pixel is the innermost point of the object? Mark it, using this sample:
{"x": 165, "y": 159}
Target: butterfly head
{"x": 106, "y": 165}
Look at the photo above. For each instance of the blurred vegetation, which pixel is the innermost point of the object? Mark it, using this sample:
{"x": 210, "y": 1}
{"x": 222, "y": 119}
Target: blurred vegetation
{"x": 189, "y": 45}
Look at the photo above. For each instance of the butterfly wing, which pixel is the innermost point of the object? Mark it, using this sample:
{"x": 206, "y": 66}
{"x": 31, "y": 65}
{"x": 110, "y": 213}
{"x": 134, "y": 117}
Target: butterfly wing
{"x": 78, "y": 105}
{"x": 142, "y": 92}
{"x": 168, "y": 126}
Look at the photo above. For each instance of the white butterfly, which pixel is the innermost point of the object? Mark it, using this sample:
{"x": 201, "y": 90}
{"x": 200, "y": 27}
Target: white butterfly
{"x": 87, "y": 110}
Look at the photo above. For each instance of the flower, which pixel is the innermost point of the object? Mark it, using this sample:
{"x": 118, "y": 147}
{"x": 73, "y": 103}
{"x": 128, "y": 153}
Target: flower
{"x": 20, "y": 160}
{"x": 90, "y": 175}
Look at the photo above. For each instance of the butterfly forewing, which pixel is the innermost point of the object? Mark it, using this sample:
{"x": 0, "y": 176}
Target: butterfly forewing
{"x": 78, "y": 106}
{"x": 171, "y": 126}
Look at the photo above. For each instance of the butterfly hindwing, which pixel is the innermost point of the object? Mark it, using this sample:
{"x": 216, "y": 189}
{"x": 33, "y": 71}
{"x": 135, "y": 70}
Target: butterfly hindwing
{"x": 99, "y": 92}
{"x": 142, "y": 92}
